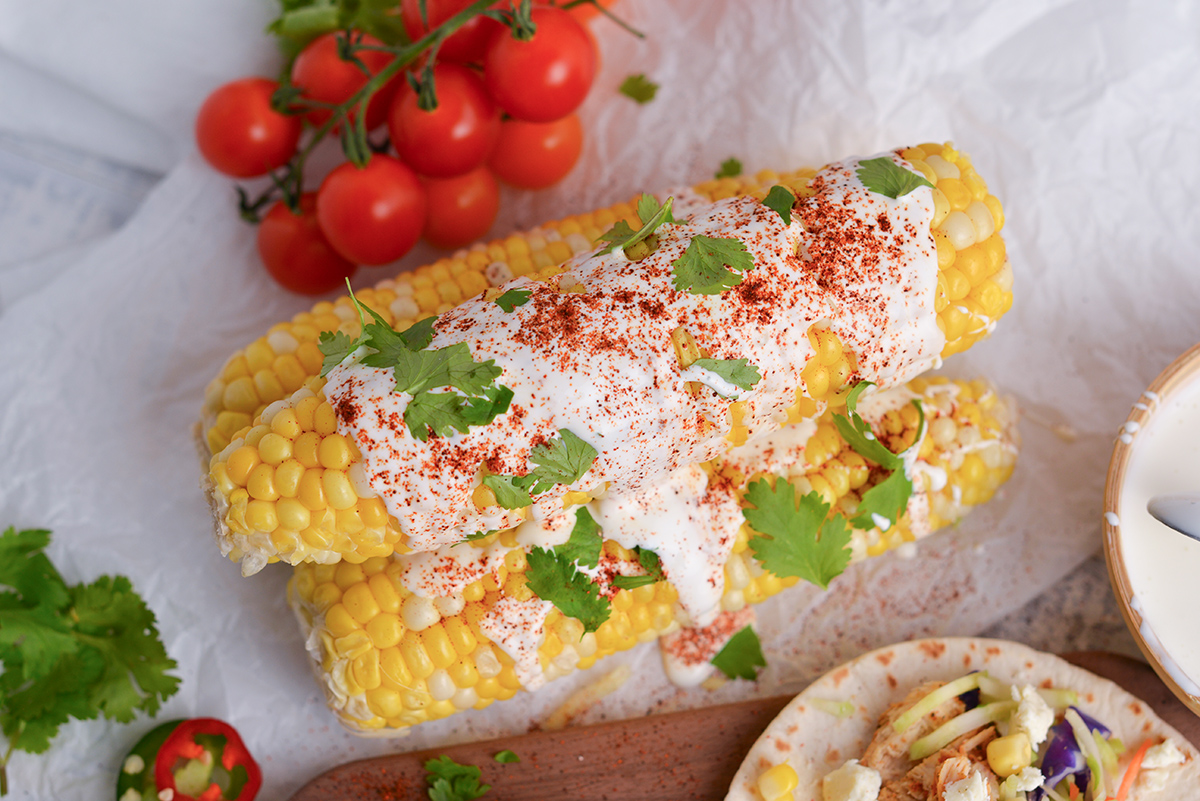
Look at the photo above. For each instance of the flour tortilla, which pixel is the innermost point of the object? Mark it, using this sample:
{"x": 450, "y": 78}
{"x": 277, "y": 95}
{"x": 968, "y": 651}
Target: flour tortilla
{"x": 815, "y": 742}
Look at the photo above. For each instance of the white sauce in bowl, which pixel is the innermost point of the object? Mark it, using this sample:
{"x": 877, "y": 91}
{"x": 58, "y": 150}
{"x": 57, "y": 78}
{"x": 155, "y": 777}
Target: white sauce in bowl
{"x": 1162, "y": 565}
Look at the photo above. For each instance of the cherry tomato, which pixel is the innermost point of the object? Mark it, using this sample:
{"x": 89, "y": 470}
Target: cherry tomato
{"x": 586, "y": 11}
{"x": 465, "y": 45}
{"x": 548, "y": 76}
{"x": 372, "y": 214}
{"x": 534, "y": 155}
{"x": 325, "y": 77}
{"x": 296, "y": 253}
{"x": 238, "y": 132}
{"x": 461, "y": 209}
{"x": 452, "y": 139}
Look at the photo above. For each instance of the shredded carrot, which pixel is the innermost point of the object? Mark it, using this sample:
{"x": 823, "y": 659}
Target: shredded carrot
{"x": 1131, "y": 772}
{"x": 1072, "y": 790}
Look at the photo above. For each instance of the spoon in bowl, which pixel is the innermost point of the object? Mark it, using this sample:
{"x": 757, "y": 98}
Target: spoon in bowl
{"x": 1180, "y": 511}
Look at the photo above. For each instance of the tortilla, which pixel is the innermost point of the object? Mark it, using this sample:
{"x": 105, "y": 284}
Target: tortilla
{"x": 815, "y": 741}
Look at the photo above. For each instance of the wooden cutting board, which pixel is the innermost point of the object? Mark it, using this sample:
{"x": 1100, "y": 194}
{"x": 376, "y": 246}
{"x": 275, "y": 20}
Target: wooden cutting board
{"x": 683, "y": 755}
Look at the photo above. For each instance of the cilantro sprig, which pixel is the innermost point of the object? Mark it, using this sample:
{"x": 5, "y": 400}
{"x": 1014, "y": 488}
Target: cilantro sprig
{"x": 730, "y": 168}
{"x": 742, "y": 656}
{"x": 711, "y": 265}
{"x": 738, "y": 372}
{"x": 450, "y": 781}
{"x": 885, "y": 177}
{"x": 561, "y": 461}
{"x": 780, "y": 200}
{"x": 639, "y": 88}
{"x": 652, "y": 216}
{"x": 650, "y": 563}
{"x": 553, "y": 577}
{"x": 450, "y": 390}
{"x": 70, "y": 651}
{"x": 513, "y": 298}
{"x": 796, "y": 539}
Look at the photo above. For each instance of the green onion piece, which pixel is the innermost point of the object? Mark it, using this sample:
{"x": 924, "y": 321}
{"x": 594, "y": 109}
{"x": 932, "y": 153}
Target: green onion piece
{"x": 935, "y": 699}
{"x": 954, "y": 728}
{"x": 839, "y": 709}
{"x": 1087, "y": 744}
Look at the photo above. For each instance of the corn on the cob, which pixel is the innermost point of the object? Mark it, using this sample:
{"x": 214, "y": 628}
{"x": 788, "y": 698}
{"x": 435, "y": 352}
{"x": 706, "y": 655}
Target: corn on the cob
{"x": 288, "y": 486}
{"x": 388, "y": 658}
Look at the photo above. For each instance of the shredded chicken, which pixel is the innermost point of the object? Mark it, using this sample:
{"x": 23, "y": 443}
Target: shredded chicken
{"x": 888, "y": 750}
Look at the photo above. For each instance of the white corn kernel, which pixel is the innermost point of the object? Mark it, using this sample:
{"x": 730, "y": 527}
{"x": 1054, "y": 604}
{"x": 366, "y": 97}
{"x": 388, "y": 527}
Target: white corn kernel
{"x": 497, "y": 273}
{"x": 358, "y": 479}
{"x": 419, "y": 613}
{"x": 282, "y": 342}
{"x": 487, "y": 664}
{"x": 441, "y": 686}
{"x": 450, "y": 605}
{"x": 273, "y": 409}
{"x": 1004, "y": 277}
{"x": 943, "y": 168}
{"x": 404, "y": 307}
{"x": 981, "y": 218}
{"x": 958, "y": 228}
{"x": 466, "y": 698}
{"x": 578, "y": 242}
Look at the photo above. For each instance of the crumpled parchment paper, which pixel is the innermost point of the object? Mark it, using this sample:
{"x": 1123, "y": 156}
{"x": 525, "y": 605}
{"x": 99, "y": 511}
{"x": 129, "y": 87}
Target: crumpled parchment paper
{"x": 1080, "y": 115}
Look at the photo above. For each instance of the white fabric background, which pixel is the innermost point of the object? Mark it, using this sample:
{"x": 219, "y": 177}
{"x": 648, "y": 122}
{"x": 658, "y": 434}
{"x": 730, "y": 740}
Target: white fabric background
{"x": 1083, "y": 117}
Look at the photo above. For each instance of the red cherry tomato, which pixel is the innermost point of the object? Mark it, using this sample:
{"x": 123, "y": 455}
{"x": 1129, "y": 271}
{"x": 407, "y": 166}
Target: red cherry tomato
{"x": 464, "y": 45}
{"x": 296, "y": 253}
{"x": 452, "y": 139}
{"x": 461, "y": 209}
{"x": 534, "y": 155}
{"x": 325, "y": 77}
{"x": 548, "y": 76}
{"x": 238, "y": 132}
{"x": 586, "y": 11}
{"x": 372, "y": 214}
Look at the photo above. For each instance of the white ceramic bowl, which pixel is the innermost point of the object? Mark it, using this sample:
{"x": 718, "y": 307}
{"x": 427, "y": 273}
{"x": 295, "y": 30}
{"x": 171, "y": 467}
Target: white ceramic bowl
{"x": 1155, "y": 571}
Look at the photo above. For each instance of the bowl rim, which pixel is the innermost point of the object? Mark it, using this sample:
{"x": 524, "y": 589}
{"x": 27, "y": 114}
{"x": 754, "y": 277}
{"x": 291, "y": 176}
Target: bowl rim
{"x": 1184, "y": 369}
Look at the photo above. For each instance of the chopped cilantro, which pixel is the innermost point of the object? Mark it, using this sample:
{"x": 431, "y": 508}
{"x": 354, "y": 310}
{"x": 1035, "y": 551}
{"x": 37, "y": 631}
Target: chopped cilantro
{"x": 513, "y": 298}
{"x": 889, "y": 498}
{"x": 639, "y": 88}
{"x": 70, "y": 651}
{"x": 450, "y": 781}
{"x": 430, "y": 376}
{"x": 506, "y": 757}
{"x": 742, "y": 656}
{"x": 650, "y": 563}
{"x": 584, "y": 544}
{"x": 479, "y": 535}
{"x": 561, "y": 461}
{"x": 554, "y": 578}
{"x": 796, "y": 540}
{"x": 707, "y": 266}
{"x": 885, "y": 177}
{"x": 730, "y": 168}
{"x": 780, "y": 199}
{"x": 652, "y": 216}
{"x": 739, "y": 372}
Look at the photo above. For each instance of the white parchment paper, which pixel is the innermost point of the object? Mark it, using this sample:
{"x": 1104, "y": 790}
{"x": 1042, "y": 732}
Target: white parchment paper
{"x": 1082, "y": 116}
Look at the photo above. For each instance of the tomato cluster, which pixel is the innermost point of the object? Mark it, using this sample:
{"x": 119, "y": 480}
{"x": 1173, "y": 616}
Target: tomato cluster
{"x": 504, "y": 109}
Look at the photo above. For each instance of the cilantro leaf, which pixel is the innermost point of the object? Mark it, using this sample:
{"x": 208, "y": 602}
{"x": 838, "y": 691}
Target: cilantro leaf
{"x": 885, "y": 177}
{"x": 888, "y": 499}
{"x": 71, "y": 652}
{"x": 858, "y": 434}
{"x": 554, "y": 578}
{"x": 478, "y": 535}
{"x": 562, "y": 461}
{"x": 796, "y": 541}
{"x": 337, "y": 347}
{"x": 639, "y": 88}
{"x": 511, "y": 492}
{"x": 739, "y": 372}
{"x": 506, "y": 757}
{"x": 450, "y": 781}
{"x": 780, "y": 200}
{"x": 707, "y": 266}
{"x": 652, "y": 215}
{"x": 584, "y": 544}
{"x": 650, "y": 563}
{"x": 742, "y": 656}
{"x": 513, "y": 298}
{"x": 730, "y": 168}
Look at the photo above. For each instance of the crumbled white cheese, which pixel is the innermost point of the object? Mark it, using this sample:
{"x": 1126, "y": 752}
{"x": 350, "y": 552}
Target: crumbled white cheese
{"x": 1027, "y": 779}
{"x": 130, "y": 795}
{"x": 134, "y": 764}
{"x": 972, "y": 788}
{"x": 1164, "y": 755}
{"x": 852, "y": 782}
{"x": 1033, "y": 716}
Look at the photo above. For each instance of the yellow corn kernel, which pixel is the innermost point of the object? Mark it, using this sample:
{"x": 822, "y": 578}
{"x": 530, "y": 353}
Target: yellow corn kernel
{"x": 1009, "y": 754}
{"x": 956, "y": 193}
{"x": 460, "y": 635}
{"x": 240, "y": 395}
{"x": 338, "y": 490}
{"x": 438, "y": 646}
{"x": 384, "y": 702}
{"x": 287, "y": 478}
{"x": 260, "y": 515}
{"x": 385, "y": 630}
{"x": 339, "y": 621}
{"x": 415, "y": 657}
{"x": 365, "y": 668}
{"x": 360, "y": 602}
{"x": 261, "y": 483}
{"x": 241, "y": 463}
{"x": 274, "y": 449}
{"x": 324, "y": 420}
{"x": 334, "y": 452}
{"x": 311, "y": 490}
{"x": 778, "y": 782}
{"x": 372, "y": 512}
{"x": 267, "y": 386}
{"x": 326, "y": 595}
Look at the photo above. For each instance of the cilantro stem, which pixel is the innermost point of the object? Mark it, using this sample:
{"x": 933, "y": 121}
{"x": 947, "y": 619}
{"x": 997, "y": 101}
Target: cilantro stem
{"x": 573, "y": 3}
{"x": 4, "y": 766}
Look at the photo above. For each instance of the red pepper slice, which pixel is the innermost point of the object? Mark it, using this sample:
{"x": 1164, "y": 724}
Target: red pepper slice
{"x": 190, "y": 741}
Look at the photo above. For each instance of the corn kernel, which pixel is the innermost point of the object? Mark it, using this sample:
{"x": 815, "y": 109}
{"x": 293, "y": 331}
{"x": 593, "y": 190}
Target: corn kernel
{"x": 1010, "y": 754}
{"x": 778, "y": 782}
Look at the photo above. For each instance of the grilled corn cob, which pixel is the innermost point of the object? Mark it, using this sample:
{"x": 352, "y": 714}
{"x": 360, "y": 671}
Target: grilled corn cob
{"x": 388, "y": 658}
{"x": 287, "y": 485}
